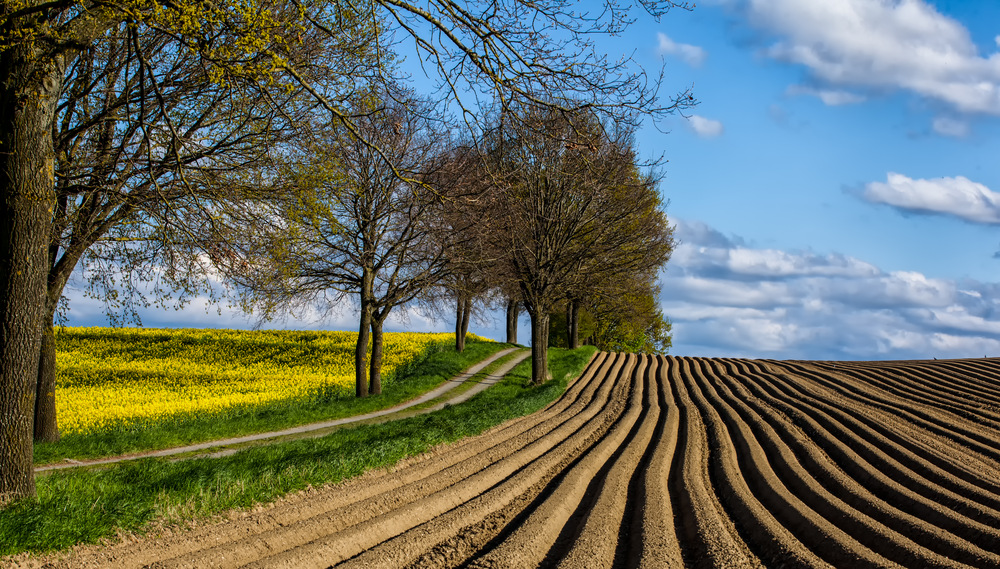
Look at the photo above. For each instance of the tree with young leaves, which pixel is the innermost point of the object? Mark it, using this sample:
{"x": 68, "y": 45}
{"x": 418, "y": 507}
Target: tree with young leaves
{"x": 123, "y": 120}
{"x": 631, "y": 320}
{"x": 569, "y": 210}
{"x": 466, "y": 281}
{"x": 355, "y": 217}
{"x": 631, "y": 240}
{"x": 149, "y": 148}
{"x": 510, "y": 51}
{"x": 625, "y": 317}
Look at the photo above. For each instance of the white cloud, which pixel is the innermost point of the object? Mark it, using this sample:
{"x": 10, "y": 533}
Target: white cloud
{"x": 690, "y": 54}
{"x": 882, "y": 45}
{"x": 705, "y": 128}
{"x": 958, "y": 197}
{"x": 830, "y": 97}
{"x": 726, "y": 298}
{"x": 951, "y": 127}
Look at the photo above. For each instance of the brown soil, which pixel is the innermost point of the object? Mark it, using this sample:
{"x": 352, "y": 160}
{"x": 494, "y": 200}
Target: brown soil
{"x": 659, "y": 462}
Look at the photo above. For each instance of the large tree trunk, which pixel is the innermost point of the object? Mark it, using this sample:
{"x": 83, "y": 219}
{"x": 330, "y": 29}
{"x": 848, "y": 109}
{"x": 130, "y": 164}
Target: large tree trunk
{"x": 573, "y": 324}
{"x": 539, "y": 346}
{"x": 28, "y": 96}
{"x": 459, "y": 316}
{"x": 360, "y": 351}
{"x": 513, "y": 311}
{"x": 46, "y": 425}
{"x": 466, "y": 312}
{"x": 46, "y": 420}
{"x": 376, "y": 363}
{"x": 364, "y": 329}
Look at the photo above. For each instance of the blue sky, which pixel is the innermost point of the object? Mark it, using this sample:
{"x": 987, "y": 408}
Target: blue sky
{"x": 833, "y": 192}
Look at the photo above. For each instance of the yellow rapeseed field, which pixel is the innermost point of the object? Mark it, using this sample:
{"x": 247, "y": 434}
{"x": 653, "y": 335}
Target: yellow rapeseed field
{"x": 126, "y": 377}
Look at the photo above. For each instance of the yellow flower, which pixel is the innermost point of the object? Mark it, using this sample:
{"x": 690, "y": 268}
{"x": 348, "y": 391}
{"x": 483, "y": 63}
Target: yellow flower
{"x": 124, "y": 377}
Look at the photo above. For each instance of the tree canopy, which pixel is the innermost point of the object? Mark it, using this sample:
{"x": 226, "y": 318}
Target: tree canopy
{"x": 569, "y": 212}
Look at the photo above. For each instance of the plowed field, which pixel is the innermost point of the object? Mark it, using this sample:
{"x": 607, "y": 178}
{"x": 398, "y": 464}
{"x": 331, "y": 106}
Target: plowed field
{"x": 664, "y": 462}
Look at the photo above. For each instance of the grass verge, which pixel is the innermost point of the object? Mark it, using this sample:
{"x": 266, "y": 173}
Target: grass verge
{"x": 415, "y": 380}
{"x": 83, "y": 506}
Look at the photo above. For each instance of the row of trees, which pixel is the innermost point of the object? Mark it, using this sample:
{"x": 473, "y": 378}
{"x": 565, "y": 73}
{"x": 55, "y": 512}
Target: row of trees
{"x": 572, "y": 216}
{"x": 135, "y": 135}
{"x": 549, "y": 208}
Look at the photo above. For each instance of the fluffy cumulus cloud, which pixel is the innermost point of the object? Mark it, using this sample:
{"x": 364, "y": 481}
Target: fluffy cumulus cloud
{"x": 729, "y": 299}
{"x": 958, "y": 197}
{"x": 705, "y": 128}
{"x": 881, "y": 45}
{"x": 690, "y": 54}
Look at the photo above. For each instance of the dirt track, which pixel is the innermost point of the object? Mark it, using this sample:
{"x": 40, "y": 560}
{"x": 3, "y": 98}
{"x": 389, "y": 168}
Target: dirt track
{"x": 663, "y": 462}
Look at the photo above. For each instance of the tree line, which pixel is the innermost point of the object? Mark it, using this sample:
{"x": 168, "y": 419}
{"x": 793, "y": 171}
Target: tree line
{"x": 549, "y": 208}
{"x": 160, "y": 145}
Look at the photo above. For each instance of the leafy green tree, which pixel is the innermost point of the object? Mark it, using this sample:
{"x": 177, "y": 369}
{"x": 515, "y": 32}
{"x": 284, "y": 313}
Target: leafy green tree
{"x": 631, "y": 242}
{"x": 629, "y": 320}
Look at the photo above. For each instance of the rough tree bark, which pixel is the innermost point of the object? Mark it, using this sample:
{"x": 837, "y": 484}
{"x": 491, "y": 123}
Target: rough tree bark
{"x": 364, "y": 331}
{"x": 539, "y": 347}
{"x": 573, "y": 324}
{"x": 513, "y": 311}
{"x": 46, "y": 428}
{"x": 28, "y": 101}
{"x": 46, "y": 424}
{"x": 375, "y": 377}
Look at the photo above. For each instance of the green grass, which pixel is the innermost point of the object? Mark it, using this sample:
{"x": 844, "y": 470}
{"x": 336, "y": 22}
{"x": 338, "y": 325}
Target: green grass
{"x": 83, "y": 506}
{"x": 429, "y": 372}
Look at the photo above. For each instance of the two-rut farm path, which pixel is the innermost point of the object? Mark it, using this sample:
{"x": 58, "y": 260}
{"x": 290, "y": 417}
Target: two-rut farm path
{"x": 440, "y": 396}
{"x": 663, "y": 462}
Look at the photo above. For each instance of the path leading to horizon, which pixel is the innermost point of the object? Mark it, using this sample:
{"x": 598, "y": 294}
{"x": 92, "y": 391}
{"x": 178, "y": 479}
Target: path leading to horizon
{"x": 235, "y": 444}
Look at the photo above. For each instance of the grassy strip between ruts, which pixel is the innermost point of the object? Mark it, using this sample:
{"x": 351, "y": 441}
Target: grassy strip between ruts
{"x": 83, "y": 506}
{"x": 427, "y": 373}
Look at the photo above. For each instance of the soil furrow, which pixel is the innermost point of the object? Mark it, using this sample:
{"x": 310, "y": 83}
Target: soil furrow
{"x": 818, "y": 486}
{"x": 950, "y": 380}
{"x": 603, "y": 537}
{"x": 915, "y": 384}
{"x": 939, "y": 422}
{"x": 873, "y": 429}
{"x": 442, "y": 538}
{"x": 872, "y": 468}
{"x": 529, "y": 543}
{"x": 657, "y": 462}
{"x": 713, "y": 539}
{"x": 983, "y": 373}
{"x": 653, "y": 537}
{"x": 798, "y": 530}
{"x": 939, "y": 538}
